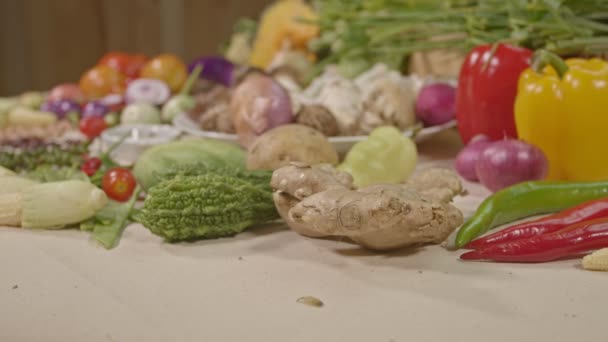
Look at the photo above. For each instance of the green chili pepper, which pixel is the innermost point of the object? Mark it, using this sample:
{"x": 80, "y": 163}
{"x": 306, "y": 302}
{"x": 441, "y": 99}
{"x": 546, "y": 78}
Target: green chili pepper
{"x": 525, "y": 200}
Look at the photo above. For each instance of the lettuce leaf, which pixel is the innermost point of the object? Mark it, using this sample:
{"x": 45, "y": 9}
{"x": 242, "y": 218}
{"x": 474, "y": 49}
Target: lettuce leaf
{"x": 109, "y": 223}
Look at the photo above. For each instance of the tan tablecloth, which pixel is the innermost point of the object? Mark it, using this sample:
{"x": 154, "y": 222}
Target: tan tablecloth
{"x": 58, "y": 286}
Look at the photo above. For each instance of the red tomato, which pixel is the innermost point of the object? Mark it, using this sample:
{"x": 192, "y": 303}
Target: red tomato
{"x": 119, "y": 184}
{"x": 102, "y": 80}
{"x": 136, "y": 63}
{"x": 66, "y": 91}
{"x": 127, "y": 64}
{"x": 168, "y": 68}
{"x": 92, "y": 126}
{"x": 91, "y": 165}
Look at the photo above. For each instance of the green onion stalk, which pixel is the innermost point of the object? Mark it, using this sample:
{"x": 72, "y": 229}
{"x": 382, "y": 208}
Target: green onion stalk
{"x": 363, "y": 32}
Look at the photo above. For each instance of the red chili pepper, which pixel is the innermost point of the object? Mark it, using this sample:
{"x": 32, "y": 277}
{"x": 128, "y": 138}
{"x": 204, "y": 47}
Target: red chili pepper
{"x": 573, "y": 240}
{"x": 487, "y": 87}
{"x": 584, "y": 212}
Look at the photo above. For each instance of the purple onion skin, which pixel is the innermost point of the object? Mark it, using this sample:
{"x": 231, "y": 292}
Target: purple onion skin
{"x": 509, "y": 162}
{"x": 95, "y": 109}
{"x": 61, "y": 108}
{"x": 259, "y": 104}
{"x": 215, "y": 68}
{"x": 468, "y": 157}
{"x": 436, "y": 104}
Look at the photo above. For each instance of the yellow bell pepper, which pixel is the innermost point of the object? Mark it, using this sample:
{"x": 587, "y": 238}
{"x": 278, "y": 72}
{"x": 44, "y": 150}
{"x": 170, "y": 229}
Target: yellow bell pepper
{"x": 279, "y": 25}
{"x": 562, "y": 107}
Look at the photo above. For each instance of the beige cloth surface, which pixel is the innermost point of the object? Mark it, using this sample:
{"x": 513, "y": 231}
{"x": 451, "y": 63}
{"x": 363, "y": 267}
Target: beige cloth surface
{"x": 58, "y": 286}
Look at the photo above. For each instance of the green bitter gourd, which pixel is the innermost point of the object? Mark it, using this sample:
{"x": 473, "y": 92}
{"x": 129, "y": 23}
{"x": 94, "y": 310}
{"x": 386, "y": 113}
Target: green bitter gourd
{"x": 207, "y": 206}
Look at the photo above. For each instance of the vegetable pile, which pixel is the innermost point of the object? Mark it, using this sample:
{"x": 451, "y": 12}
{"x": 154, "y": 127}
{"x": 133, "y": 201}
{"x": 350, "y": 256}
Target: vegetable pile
{"x": 528, "y": 102}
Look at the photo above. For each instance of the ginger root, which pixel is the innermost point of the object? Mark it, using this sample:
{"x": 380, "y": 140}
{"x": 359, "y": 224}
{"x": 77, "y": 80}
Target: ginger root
{"x": 297, "y": 181}
{"x": 321, "y": 201}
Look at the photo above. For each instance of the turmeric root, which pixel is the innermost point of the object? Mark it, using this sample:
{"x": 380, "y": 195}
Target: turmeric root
{"x": 378, "y": 217}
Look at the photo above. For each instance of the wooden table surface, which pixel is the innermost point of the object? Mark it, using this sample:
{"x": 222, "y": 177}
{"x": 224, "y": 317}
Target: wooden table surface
{"x": 59, "y": 286}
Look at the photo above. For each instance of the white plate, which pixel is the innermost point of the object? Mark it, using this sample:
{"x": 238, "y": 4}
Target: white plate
{"x": 342, "y": 144}
{"x": 139, "y": 138}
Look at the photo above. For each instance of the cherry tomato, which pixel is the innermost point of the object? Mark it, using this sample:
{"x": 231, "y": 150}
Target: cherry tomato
{"x": 91, "y": 165}
{"x": 127, "y": 64}
{"x": 92, "y": 126}
{"x": 118, "y": 183}
{"x": 168, "y": 68}
{"x": 136, "y": 63}
{"x": 66, "y": 91}
{"x": 102, "y": 80}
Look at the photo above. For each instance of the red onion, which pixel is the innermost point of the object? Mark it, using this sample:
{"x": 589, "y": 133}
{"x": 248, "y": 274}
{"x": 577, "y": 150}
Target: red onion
{"x": 468, "y": 157}
{"x": 147, "y": 90}
{"x": 436, "y": 104}
{"x": 259, "y": 104}
{"x": 508, "y": 162}
{"x": 95, "y": 109}
{"x": 114, "y": 102}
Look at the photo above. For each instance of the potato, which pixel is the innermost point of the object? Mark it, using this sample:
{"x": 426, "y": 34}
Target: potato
{"x": 290, "y": 143}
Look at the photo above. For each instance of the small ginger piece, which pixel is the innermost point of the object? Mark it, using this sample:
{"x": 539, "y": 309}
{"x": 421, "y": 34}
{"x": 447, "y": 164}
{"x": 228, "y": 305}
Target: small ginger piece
{"x": 597, "y": 261}
{"x": 300, "y": 180}
{"x": 297, "y": 181}
{"x": 437, "y": 183}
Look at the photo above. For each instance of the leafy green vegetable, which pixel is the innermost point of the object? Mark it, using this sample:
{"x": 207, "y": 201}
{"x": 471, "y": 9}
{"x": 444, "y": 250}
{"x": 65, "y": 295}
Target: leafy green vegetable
{"x": 109, "y": 223}
{"x": 208, "y": 206}
{"x": 50, "y": 173}
{"x": 27, "y": 156}
{"x": 107, "y": 162}
{"x": 388, "y": 31}
{"x": 158, "y": 159}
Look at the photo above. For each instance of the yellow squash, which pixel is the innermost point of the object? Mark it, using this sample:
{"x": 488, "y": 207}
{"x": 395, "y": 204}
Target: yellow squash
{"x": 562, "y": 107}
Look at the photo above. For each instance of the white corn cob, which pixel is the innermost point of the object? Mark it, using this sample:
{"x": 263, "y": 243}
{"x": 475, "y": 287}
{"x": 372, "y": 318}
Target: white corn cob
{"x": 598, "y": 261}
{"x": 10, "y": 209}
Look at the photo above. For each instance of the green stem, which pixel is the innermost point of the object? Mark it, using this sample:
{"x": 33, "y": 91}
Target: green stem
{"x": 542, "y": 58}
{"x": 191, "y": 79}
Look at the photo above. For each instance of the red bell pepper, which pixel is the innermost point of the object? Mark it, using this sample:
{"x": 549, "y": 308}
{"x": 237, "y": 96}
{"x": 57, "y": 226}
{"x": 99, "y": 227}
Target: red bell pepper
{"x": 571, "y": 241}
{"x": 552, "y": 223}
{"x": 487, "y": 87}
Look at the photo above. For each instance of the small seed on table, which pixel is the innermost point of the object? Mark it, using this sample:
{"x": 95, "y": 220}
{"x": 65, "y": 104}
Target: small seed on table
{"x": 312, "y": 301}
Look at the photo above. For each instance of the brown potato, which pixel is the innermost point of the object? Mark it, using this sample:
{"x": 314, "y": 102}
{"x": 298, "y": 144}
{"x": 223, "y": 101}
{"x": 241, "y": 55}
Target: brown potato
{"x": 290, "y": 143}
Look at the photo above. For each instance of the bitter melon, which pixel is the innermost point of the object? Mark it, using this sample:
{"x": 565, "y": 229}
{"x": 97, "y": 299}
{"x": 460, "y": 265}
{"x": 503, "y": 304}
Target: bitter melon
{"x": 212, "y": 205}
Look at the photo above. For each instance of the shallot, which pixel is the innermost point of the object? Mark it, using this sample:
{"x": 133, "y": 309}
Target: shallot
{"x": 468, "y": 157}
{"x": 436, "y": 104}
{"x": 508, "y": 162}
